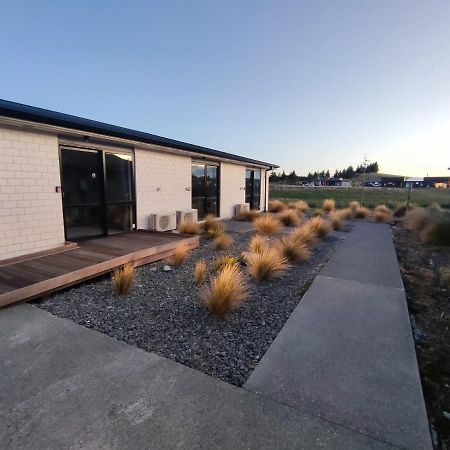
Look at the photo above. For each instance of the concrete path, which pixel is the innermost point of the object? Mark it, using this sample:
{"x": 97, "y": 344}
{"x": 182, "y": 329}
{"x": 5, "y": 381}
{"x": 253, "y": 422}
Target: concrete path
{"x": 64, "y": 386}
{"x": 346, "y": 354}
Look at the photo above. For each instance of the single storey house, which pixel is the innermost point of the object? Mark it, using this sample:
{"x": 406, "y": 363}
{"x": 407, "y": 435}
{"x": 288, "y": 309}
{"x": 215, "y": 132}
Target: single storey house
{"x": 65, "y": 178}
{"x": 392, "y": 181}
{"x": 338, "y": 182}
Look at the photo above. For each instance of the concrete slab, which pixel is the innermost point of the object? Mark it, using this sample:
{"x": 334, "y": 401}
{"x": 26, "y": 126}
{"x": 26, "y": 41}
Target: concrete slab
{"x": 64, "y": 386}
{"x": 347, "y": 355}
{"x": 368, "y": 257}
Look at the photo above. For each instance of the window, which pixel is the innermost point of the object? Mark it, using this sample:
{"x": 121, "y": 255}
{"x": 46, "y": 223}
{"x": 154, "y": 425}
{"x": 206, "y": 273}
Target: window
{"x": 205, "y": 189}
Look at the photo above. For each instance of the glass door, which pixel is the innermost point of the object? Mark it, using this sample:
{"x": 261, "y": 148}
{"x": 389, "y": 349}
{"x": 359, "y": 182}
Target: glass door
{"x": 82, "y": 180}
{"x": 205, "y": 189}
{"x": 253, "y": 188}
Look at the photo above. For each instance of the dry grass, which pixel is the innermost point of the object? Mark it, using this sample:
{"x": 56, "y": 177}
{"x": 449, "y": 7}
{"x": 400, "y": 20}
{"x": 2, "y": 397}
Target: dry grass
{"x": 180, "y": 255}
{"x": 122, "y": 278}
{"x": 437, "y": 228}
{"x": 292, "y": 249}
{"x": 226, "y": 260}
{"x": 382, "y": 214}
{"x": 276, "y": 206}
{"x": 290, "y": 217}
{"x": 335, "y": 220}
{"x": 305, "y": 234}
{"x": 400, "y": 211}
{"x": 354, "y": 205}
{"x": 318, "y": 212}
{"x": 329, "y": 205}
{"x": 361, "y": 212}
{"x": 215, "y": 232}
{"x": 345, "y": 214}
{"x": 223, "y": 241}
{"x": 227, "y": 290}
{"x": 210, "y": 222}
{"x": 247, "y": 216}
{"x": 415, "y": 219}
{"x": 267, "y": 264}
{"x": 200, "y": 271}
{"x": 320, "y": 226}
{"x": 299, "y": 205}
{"x": 190, "y": 227}
{"x": 258, "y": 243}
{"x": 267, "y": 224}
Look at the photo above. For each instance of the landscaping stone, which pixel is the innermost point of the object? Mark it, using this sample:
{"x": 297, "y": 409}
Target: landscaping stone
{"x": 166, "y": 268}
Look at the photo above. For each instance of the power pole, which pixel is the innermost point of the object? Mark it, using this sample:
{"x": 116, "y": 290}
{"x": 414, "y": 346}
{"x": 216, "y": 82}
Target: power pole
{"x": 365, "y": 163}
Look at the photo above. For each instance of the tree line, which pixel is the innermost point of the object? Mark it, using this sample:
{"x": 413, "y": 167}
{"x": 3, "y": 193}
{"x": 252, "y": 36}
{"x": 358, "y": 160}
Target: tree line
{"x": 347, "y": 173}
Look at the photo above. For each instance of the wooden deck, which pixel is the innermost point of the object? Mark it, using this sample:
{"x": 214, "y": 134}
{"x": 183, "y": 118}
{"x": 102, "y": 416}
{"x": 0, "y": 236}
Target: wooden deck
{"x": 36, "y": 275}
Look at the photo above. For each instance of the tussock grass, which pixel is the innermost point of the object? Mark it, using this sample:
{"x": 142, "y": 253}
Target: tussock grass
{"x": 290, "y": 217}
{"x": 180, "y": 255}
{"x": 400, "y": 211}
{"x": 415, "y": 219}
{"x": 305, "y": 234}
{"x": 223, "y": 241}
{"x": 212, "y": 222}
{"x": 215, "y": 232}
{"x": 226, "y": 260}
{"x": 292, "y": 249}
{"x": 200, "y": 271}
{"x": 276, "y": 206}
{"x": 436, "y": 229}
{"x": 354, "y": 205}
{"x": 267, "y": 264}
{"x": 329, "y": 205}
{"x": 122, "y": 278}
{"x": 299, "y": 205}
{"x": 267, "y": 224}
{"x": 247, "y": 216}
{"x": 320, "y": 226}
{"x": 361, "y": 212}
{"x": 382, "y": 214}
{"x": 335, "y": 220}
{"x": 318, "y": 212}
{"x": 344, "y": 214}
{"x": 190, "y": 227}
{"x": 226, "y": 291}
{"x": 258, "y": 243}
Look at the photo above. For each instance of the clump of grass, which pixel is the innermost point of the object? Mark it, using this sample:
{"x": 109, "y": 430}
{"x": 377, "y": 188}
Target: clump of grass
{"x": 267, "y": 224}
{"x": 267, "y": 264}
{"x": 318, "y": 212}
{"x": 247, "y": 216}
{"x": 344, "y": 214}
{"x": 276, "y": 206}
{"x": 361, "y": 212}
{"x": 223, "y": 241}
{"x": 226, "y": 260}
{"x": 122, "y": 278}
{"x": 329, "y": 205}
{"x": 306, "y": 233}
{"x": 400, "y": 211}
{"x": 354, "y": 205}
{"x": 292, "y": 249}
{"x": 200, "y": 271}
{"x": 415, "y": 219}
{"x": 215, "y": 232}
{"x": 190, "y": 227}
{"x": 382, "y": 214}
{"x": 180, "y": 255}
{"x": 299, "y": 205}
{"x": 290, "y": 218}
{"x": 258, "y": 243}
{"x": 320, "y": 226}
{"x": 335, "y": 220}
{"x": 437, "y": 228}
{"x": 227, "y": 290}
{"x": 211, "y": 221}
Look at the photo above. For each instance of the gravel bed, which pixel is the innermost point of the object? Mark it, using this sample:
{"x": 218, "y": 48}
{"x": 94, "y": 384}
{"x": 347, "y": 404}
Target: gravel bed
{"x": 163, "y": 312}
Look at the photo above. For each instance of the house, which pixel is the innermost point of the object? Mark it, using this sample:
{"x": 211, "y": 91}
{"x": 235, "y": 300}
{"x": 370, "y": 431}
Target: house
{"x": 437, "y": 182}
{"x": 414, "y": 182}
{"x": 392, "y": 181}
{"x": 339, "y": 182}
{"x": 65, "y": 178}
{"x": 319, "y": 181}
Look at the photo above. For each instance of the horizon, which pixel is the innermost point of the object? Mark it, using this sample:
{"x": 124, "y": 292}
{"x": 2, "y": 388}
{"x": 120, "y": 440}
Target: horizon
{"x": 309, "y": 86}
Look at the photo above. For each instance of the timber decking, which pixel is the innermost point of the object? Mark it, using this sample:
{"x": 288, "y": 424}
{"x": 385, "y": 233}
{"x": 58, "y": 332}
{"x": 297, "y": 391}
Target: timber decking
{"x": 30, "y": 278}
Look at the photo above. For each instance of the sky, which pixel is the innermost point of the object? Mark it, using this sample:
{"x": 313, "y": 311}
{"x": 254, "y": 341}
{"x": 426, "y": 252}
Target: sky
{"x": 307, "y": 85}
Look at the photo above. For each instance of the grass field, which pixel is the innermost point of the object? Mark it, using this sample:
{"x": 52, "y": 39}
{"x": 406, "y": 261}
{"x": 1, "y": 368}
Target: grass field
{"x": 372, "y": 196}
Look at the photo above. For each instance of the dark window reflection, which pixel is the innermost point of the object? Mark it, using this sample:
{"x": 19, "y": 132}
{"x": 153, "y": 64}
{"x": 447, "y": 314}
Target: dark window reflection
{"x": 119, "y": 176}
{"x": 205, "y": 189}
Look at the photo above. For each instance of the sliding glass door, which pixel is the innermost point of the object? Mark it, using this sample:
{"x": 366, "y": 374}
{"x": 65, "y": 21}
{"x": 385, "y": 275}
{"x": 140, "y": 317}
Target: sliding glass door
{"x": 253, "y": 188}
{"x": 205, "y": 189}
{"x": 97, "y": 192}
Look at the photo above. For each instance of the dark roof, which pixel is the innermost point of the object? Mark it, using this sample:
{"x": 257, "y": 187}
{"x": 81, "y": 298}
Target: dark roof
{"x": 45, "y": 116}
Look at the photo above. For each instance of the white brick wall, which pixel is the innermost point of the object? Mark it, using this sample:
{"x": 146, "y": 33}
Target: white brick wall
{"x": 31, "y": 216}
{"x": 232, "y": 188}
{"x": 161, "y": 184}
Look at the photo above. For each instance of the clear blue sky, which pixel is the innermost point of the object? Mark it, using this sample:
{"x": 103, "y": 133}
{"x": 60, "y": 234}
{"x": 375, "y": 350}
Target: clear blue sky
{"x": 308, "y": 85}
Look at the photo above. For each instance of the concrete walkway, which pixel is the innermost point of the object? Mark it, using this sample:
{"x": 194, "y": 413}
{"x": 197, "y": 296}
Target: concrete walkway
{"x": 64, "y": 386}
{"x": 346, "y": 354}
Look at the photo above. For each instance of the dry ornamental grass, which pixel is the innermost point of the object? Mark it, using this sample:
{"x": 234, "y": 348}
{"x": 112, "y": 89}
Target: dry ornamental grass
{"x": 305, "y": 233}
{"x": 290, "y": 218}
{"x": 215, "y": 232}
{"x": 266, "y": 265}
{"x": 292, "y": 249}
{"x": 382, "y": 214}
{"x": 329, "y": 205}
{"x": 276, "y": 206}
{"x": 200, "y": 271}
{"x": 361, "y": 212}
{"x": 247, "y": 216}
{"x": 299, "y": 205}
{"x": 212, "y": 222}
{"x": 223, "y": 241}
{"x": 258, "y": 243}
{"x": 354, "y": 205}
{"x": 227, "y": 290}
{"x": 320, "y": 226}
{"x": 226, "y": 260}
{"x": 122, "y": 278}
{"x": 190, "y": 227}
{"x": 180, "y": 255}
{"x": 335, "y": 220}
{"x": 267, "y": 224}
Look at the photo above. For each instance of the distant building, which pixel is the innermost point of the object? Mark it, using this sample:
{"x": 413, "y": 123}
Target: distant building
{"x": 414, "y": 182}
{"x": 319, "y": 181}
{"x": 340, "y": 182}
{"x": 393, "y": 181}
{"x": 437, "y": 182}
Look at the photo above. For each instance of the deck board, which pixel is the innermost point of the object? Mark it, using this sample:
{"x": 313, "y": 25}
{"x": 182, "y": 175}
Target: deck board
{"x": 30, "y": 278}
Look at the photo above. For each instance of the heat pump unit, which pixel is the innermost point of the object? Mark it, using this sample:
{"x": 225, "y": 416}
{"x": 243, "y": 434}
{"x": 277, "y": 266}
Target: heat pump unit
{"x": 188, "y": 215}
{"x": 163, "y": 221}
{"x": 243, "y": 207}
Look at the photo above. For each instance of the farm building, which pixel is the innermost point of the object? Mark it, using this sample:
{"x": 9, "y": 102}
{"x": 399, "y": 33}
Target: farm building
{"x": 414, "y": 182}
{"x": 392, "y": 181}
{"x": 65, "y": 178}
{"x": 339, "y": 182}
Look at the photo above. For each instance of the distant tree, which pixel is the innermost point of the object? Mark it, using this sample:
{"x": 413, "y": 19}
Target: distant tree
{"x": 292, "y": 177}
{"x": 327, "y": 174}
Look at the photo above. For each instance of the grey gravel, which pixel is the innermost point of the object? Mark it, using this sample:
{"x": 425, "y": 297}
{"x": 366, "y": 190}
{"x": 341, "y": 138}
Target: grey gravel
{"x": 163, "y": 312}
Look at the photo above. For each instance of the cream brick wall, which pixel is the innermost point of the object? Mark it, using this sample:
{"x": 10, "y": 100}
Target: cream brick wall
{"x": 163, "y": 183}
{"x": 31, "y": 216}
{"x": 232, "y": 188}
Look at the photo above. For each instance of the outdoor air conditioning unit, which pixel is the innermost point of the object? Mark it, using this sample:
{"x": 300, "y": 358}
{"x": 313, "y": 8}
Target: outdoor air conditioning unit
{"x": 243, "y": 207}
{"x": 188, "y": 215}
{"x": 163, "y": 221}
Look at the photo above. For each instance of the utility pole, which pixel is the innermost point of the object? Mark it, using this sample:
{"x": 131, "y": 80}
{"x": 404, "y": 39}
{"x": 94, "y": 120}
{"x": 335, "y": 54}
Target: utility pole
{"x": 365, "y": 163}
